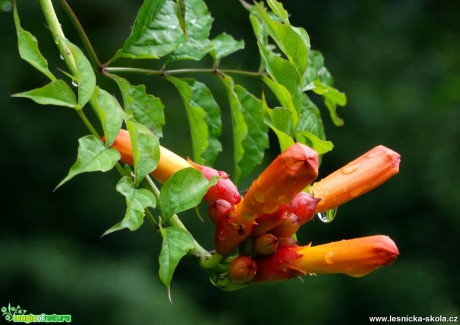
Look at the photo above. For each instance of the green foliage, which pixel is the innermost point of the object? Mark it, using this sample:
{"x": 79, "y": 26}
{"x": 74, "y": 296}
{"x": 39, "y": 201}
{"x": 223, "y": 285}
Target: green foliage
{"x": 223, "y": 45}
{"x": 145, "y": 109}
{"x": 198, "y": 23}
{"x": 28, "y": 48}
{"x": 93, "y": 156}
{"x": 204, "y": 118}
{"x": 156, "y": 32}
{"x": 177, "y": 243}
{"x": 180, "y": 30}
{"x": 182, "y": 191}
{"x": 146, "y": 150}
{"x": 137, "y": 200}
{"x": 109, "y": 112}
{"x": 56, "y": 92}
{"x": 83, "y": 76}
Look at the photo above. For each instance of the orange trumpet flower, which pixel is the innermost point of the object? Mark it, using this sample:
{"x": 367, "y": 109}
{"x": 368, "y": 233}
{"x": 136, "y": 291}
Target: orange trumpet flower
{"x": 355, "y": 257}
{"x": 168, "y": 164}
{"x": 356, "y": 178}
{"x": 287, "y": 175}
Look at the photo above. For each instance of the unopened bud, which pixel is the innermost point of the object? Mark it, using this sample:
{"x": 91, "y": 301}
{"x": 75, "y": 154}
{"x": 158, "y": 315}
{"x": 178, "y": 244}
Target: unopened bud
{"x": 266, "y": 244}
{"x": 303, "y": 205}
{"x": 288, "y": 227}
{"x": 219, "y": 209}
{"x": 287, "y": 241}
{"x": 242, "y": 269}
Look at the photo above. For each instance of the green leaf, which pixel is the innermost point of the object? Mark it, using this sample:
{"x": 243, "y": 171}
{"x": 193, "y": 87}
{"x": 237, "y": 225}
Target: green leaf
{"x": 278, "y": 9}
{"x": 224, "y": 45}
{"x": 204, "y": 118}
{"x": 176, "y": 244}
{"x": 239, "y": 125}
{"x": 198, "y": 23}
{"x": 291, "y": 41}
{"x": 308, "y": 138}
{"x": 110, "y": 114}
{"x": 28, "y": 48}
{"x": 56, "y": 92}
{"x": 317, "y": 70}
{"x": 183, "y": 190}
{"x": 310, "y": 120}
{"x": 181, "y": 9}
{"x": 92, "y": 156}
{"x": 146, "y": 150}
{"x": 137, "y": 200}
{"x": 156, "y": 32}
{"x": 332, "y": 98}
{"x": 281, "y": 70}
{"x": 284, "y": 97}
{"x": 84, "y": 74}
{"x": 256, "y": 140}
{"x": 146, "y": 109}
{"x": 279, "y": 120}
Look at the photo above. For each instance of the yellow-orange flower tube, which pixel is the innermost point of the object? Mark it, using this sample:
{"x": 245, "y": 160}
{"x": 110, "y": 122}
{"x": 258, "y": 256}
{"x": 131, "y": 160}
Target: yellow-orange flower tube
{"x": 354, "y": 257}
{"x": 168, "y": 164}
{"x": 356, "y": 178}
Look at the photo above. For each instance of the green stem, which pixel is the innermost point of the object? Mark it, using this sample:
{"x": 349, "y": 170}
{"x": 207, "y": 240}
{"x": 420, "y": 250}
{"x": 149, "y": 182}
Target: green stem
{"x": 58, "y": 34}
{"x": 152, "y": 219}
{"x": 174, "y": 221}
{"x": 89, "y": 47}
{"x": 162, "y": 72}
{"x": 88, "y": 124}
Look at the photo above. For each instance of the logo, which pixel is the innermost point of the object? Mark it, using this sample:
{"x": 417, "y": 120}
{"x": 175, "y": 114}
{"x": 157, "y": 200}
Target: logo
{"x": 19, "y": 315}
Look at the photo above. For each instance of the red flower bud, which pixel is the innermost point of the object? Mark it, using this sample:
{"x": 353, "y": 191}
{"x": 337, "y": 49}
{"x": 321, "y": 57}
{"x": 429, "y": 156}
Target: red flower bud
{"x": 224, "y": 188}
{"x": 266, "y": 244}
{"x": 288, "y": 227}
{"x": 219, "y": 209}
{"x": 287, "y": 241}
{"x": 303, "y": 205}
{"x": 242, "y": 269}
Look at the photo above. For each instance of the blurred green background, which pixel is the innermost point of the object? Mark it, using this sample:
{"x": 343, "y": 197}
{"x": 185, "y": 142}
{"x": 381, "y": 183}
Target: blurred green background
{"x": 399, "y": 64}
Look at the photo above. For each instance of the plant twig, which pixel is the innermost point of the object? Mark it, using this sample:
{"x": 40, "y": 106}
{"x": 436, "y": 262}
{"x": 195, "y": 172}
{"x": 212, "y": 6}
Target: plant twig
{"x": 86, "y": 42}
{"x": 174, "y": 221}
{"x": 58, "y": 34}
{"x": 163, "y": 72}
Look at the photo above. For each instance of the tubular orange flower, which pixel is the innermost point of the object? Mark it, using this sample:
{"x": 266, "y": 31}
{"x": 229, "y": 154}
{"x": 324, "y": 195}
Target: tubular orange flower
{"x": 168, "y": 164}
{"x": 287, "y": 175}
{"x": 356, "y": 178}
{"x": 267, "y": 222}
{"x": 355, "y": 257}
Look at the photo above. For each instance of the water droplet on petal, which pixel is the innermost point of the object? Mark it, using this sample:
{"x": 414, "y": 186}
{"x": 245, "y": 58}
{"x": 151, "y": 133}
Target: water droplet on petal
{"x": 370, "y": 155}
{"x": 329, "y": 258}
{"x": 259, "y": 197}
{"x": 327, "y": 216}
{"x": 269, "y": 208}
{"x": 349, "y": 169}
{"x": 284, "y": 199}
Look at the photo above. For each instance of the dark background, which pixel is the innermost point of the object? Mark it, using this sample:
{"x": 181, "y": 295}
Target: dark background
{"x": 399, "y": 64}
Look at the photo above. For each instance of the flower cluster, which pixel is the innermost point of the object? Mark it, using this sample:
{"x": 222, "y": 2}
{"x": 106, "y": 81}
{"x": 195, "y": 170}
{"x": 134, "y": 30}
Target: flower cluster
{"x": 257, "y": 232}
